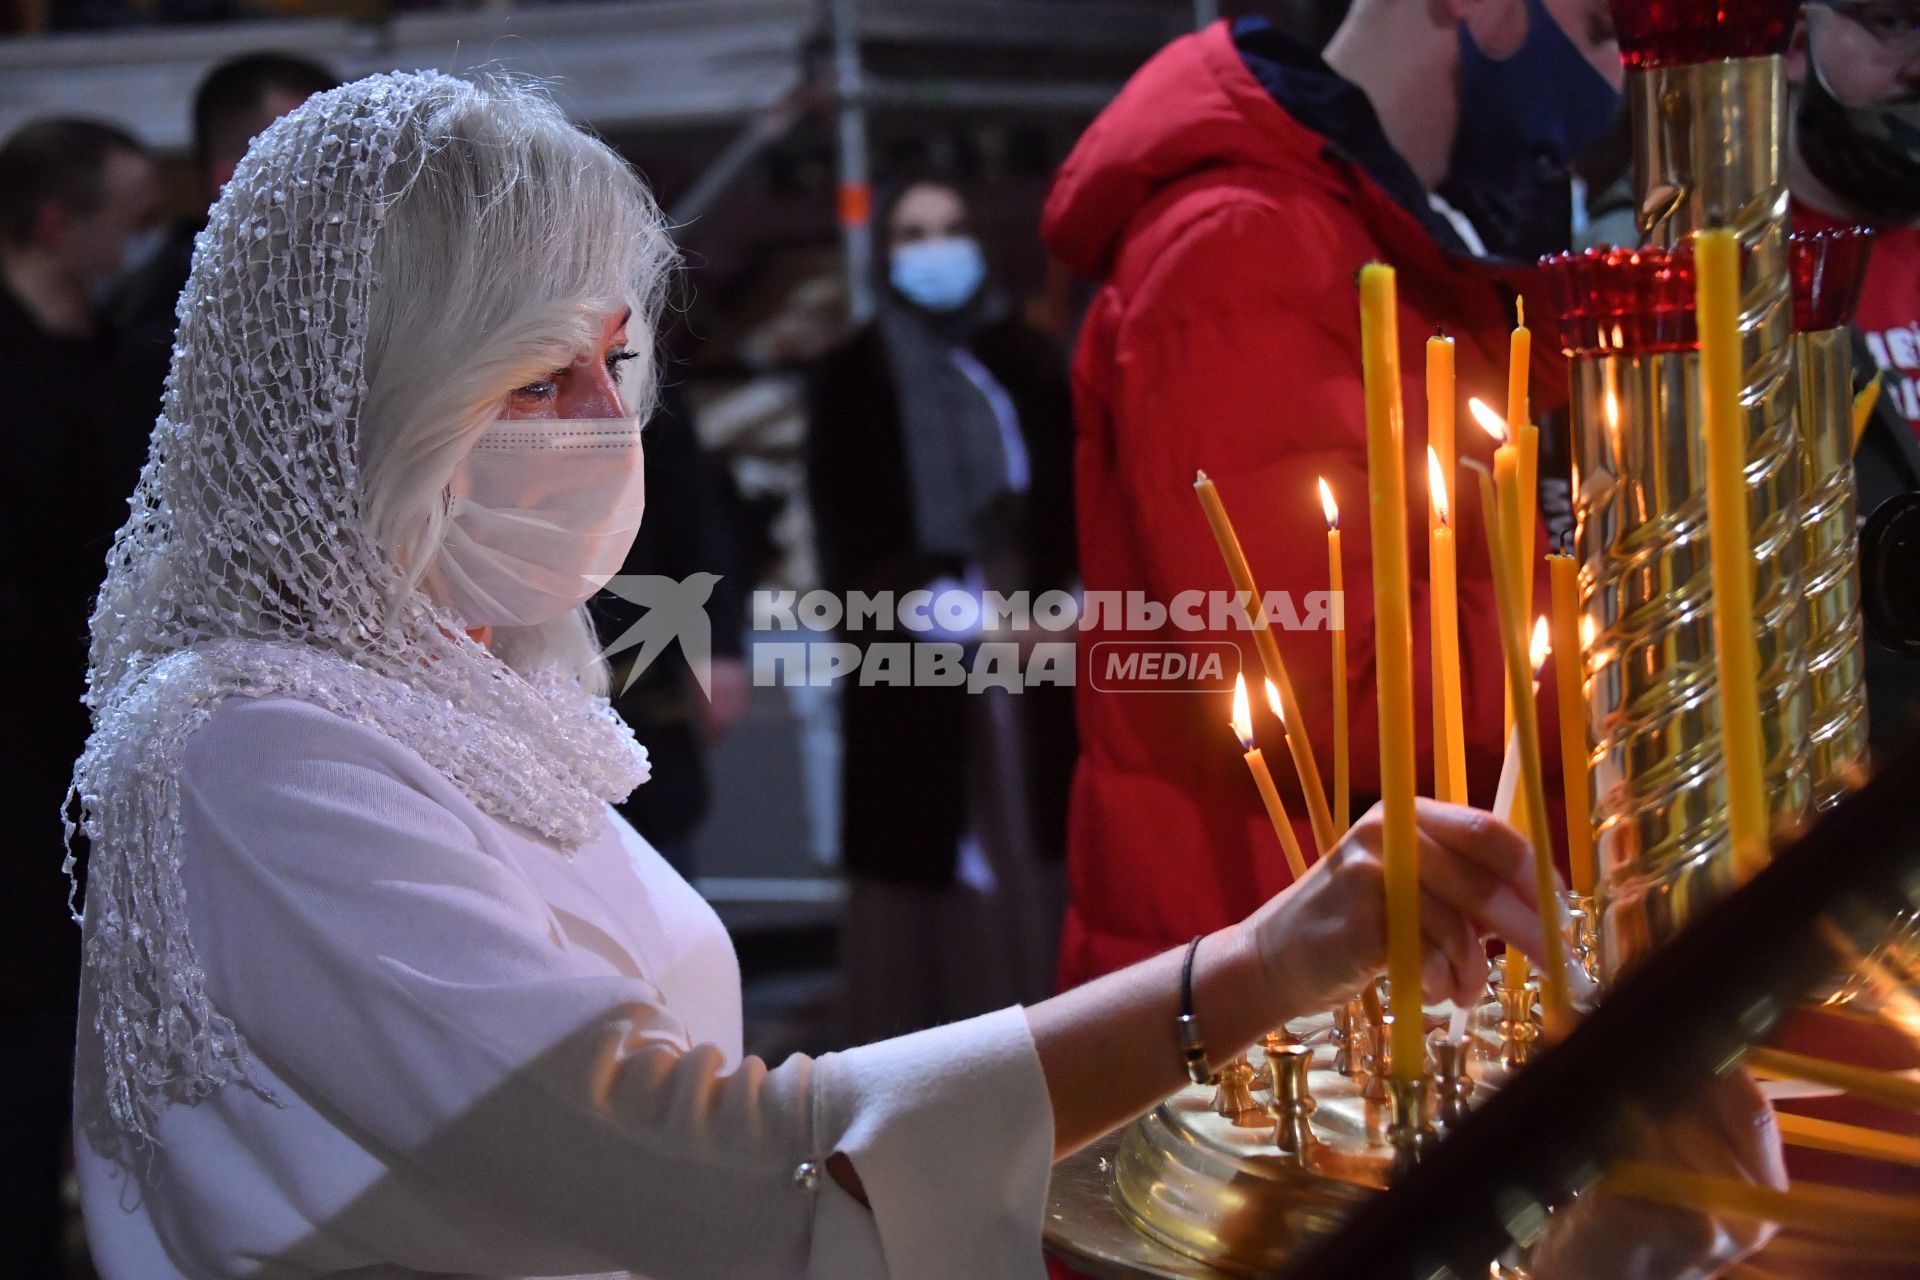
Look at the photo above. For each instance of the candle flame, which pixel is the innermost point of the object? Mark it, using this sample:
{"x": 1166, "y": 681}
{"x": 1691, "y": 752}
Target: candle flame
{"x": 1490, "y": 422}
{"x": 1327, "y": 504}
{"x": 1520, "y": 312}
{"x": 1437, "y": 485}
{"x": 1542, "y": 644}
{"x": 1273, "y": 701}
{"x": 1242, "y": 720}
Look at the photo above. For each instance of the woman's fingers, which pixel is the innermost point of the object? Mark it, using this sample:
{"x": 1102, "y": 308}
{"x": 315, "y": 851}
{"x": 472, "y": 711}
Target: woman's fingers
{"x": 1465, "y": 885}
{"x": 1474, "y": 864}
{"x": 1456, "y": 962}
{"x": 1483, "y": 839}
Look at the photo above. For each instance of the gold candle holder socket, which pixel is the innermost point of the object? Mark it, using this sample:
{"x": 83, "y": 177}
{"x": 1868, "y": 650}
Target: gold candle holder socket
{"x": 1452, "y": 1085}
{"x": 1407, "y": 1128}
{"x": 1518, "y": 1030}
{"x": 1291, "y": 1103}
{"x": 1233, "y": 1098}
{"x": 1273, "y": 1044}
{"x": 1583, "y": 935}
{"x": 1379, "y": 1059}
{"x": 1351, "y": 1042}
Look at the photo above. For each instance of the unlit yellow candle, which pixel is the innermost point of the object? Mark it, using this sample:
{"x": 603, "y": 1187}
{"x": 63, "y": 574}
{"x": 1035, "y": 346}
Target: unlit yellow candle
{"x": 1569, "y": 678}
{"x": 1514, "y": 651}
{"x": 1449, "y": 730}
{"x": 1297, "y": 741}
{"x": 1393, "y": 658}
{"x": 1717, "y": 264}
{"x": 1864, "y": 401}
{"x": 1242, "y": 723}
{"x": 1336, "y": 591}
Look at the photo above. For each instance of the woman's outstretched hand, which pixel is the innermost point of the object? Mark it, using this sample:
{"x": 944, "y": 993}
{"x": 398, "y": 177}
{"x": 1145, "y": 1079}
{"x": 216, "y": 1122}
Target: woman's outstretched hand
{"x": 1325, "y": 937}
{"x": 1109, "y": 1049}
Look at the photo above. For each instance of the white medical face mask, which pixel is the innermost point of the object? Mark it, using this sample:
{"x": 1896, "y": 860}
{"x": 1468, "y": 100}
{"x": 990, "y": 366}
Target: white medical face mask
{"x": 541, "y": 514}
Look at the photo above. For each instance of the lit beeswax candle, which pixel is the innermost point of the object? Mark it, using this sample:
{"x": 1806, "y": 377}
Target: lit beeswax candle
{"x": 1336, "y": 590}
{"x": 1262, "y": 778}
{"x": 1297, "y": 741}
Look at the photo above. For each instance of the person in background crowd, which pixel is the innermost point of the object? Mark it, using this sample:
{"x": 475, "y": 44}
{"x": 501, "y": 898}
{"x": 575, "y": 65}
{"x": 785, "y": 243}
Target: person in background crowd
{"x": 235, "y": 101}
{"x": 692, "y": 518}
{"x": 76, "y": 199}
{"x": 1853, "y": 158}
{"x": 939, "y": 457}
{"x": 1225, "y": 201}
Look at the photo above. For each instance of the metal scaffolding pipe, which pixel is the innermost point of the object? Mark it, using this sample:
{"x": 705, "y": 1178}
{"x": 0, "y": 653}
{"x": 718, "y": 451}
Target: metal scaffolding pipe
{"x": 1064, "y": 96}
{"x": 856, "y": 192}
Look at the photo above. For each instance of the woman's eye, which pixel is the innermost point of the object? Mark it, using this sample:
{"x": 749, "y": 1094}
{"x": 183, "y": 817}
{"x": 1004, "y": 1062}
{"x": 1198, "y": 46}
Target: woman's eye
{"x": 541, "y": 390}
{"x": 617, "y": 358}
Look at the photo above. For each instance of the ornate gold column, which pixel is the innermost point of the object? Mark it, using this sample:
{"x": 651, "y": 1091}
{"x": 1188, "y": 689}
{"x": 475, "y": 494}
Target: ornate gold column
{"x": 1828, "y": 269}
{"x": 1707, "y": 91}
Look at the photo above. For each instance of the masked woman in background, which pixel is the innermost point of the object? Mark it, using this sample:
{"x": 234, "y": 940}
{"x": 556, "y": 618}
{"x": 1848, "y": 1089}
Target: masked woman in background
{"x": 375, "y": 981}
{"x": 940, "y": 458}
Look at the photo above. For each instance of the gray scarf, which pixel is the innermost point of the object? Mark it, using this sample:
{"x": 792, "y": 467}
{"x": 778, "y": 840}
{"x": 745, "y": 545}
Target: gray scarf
{"x": 957, "y": 465}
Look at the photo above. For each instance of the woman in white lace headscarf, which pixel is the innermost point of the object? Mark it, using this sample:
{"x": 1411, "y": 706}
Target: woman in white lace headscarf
{"x": 376, "y": 983}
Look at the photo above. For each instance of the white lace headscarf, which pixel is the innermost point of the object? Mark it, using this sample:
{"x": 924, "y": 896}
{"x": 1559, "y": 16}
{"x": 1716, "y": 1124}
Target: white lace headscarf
{"x": 291, "y": 501}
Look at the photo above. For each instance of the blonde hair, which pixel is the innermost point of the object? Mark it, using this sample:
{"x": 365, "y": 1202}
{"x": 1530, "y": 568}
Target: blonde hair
{"x": 512, "y": 234}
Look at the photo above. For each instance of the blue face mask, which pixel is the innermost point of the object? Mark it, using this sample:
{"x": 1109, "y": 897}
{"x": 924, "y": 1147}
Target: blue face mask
{"x": 940, "y": 275}
{"x": 1527, "y": 117}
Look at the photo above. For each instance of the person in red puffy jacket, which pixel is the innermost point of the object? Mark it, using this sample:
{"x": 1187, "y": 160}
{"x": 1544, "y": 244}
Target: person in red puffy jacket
{"x": 1225, "y": 201}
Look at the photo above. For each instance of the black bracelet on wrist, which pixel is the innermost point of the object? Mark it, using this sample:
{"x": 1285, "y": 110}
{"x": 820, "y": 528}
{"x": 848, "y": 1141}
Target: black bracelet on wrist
{"x": 1192, "y": 1047}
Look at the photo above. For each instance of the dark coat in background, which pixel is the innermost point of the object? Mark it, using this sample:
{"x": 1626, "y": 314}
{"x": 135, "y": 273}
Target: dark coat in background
{"x": 67, "y": 488}
{"x": 903, "y": 779}
{"x": 1886, "y": 464}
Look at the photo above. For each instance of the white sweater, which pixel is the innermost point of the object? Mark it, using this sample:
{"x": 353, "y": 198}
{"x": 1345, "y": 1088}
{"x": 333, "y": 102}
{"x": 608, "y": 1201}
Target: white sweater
{"x": 491, "y": 1058}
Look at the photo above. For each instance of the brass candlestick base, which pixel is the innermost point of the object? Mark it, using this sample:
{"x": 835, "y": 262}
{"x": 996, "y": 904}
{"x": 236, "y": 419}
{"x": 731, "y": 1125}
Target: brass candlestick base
{"x": 1274, "y": 1043}
{"x": 1407, "y": 1128}
{"x": 1292, "y": 1103}
{"x": 1241, "y": 1201}
{"x": 1585, "y": 933}
{"x": 1452, "y": 1086}
{"x": 1350, "y": 1039}
{"x": 1234, "y": 1099}
{"x": 1518, "y": 1031}
{"x": 1379, "y": 1060}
